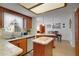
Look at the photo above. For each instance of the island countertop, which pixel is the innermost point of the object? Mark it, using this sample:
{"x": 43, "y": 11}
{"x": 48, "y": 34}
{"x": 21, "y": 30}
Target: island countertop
{"x": 8, "y": 49}
{"x": 43, "y": 40}
{"x": 45, "y": 34}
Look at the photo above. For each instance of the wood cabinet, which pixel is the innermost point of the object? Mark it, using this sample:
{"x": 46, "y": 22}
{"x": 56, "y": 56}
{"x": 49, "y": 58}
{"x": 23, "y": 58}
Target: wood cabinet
{"x": 1, "y": 18}
{"x": 42, "y": 50}
{"x": 29, "y": 22}
{"x": 52, "y": 36}
{"x": 22, "y": 43}
{"x": 42, "y": 28}
{"x": 77, "y": 32}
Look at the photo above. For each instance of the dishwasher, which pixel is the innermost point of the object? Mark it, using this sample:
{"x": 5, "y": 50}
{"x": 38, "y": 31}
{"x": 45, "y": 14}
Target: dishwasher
{"x": 30, "y": 44}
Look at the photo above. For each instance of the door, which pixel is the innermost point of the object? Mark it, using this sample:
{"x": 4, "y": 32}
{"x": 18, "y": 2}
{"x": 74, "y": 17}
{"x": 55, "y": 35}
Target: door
{"x": 77, "y": 32}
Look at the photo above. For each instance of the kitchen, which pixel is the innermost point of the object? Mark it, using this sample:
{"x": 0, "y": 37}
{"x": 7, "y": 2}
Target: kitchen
{"x": 13, "y": 31}
{"x": 20, "y": 30}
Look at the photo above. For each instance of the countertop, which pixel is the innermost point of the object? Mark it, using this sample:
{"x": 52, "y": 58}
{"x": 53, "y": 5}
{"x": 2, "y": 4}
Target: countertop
{"x": 43, "y": 40}
{"x": 24, "y": 36}
{"x": 46, "y": 34}
{"x": 29, "y": 36}
{"x": 8, "y": 49}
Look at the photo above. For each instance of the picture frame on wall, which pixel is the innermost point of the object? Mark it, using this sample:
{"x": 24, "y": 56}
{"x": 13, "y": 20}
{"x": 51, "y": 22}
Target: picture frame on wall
{"x": 56, "y": 26}
{"x": 48, "y": 25}
{"x": 63, "y": 25}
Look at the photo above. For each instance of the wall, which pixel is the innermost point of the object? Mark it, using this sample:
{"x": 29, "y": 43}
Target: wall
{"x": 72, "y": 40}
{"x": 52, "y": 19}
{"x": 34, "y": 24}
{"x": 62, "y": 15}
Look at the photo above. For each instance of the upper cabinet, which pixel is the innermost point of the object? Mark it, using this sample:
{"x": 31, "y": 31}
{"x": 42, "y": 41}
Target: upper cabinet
{"x": 29, "y": 22}
{"x": 1, "y": 18}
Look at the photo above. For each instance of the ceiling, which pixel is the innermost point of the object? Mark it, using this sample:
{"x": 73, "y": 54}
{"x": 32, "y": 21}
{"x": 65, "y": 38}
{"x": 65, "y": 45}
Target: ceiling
{"x": 39, "y": 8}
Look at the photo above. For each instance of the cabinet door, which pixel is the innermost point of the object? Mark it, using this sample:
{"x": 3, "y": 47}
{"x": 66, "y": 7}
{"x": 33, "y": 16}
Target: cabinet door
{"x": 1, "y": 17}
{"x": 29, "y": 22}
{"x": 42, "y": 29}
{"x": 22, "y": 43}
{"x": 14, "y": 42}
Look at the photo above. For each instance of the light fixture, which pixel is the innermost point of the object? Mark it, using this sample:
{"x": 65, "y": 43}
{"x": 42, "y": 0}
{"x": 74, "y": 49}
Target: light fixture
{"x": 47, "y": 7}
{"x": 28, "y": 5}
{"x": 38, "y": 8}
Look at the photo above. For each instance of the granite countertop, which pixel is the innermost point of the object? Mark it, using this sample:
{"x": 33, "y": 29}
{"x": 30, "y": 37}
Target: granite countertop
{"x": 24, "y": 36}
{"x": 46, "y": 34}
{"x": 8, "y": 49}
{"x": 43, "y": 40}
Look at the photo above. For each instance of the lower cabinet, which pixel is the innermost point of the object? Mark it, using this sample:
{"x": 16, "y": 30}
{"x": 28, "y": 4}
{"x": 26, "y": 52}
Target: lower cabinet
{"x": 42, "y": 50}
{"x": 21, "y": 43}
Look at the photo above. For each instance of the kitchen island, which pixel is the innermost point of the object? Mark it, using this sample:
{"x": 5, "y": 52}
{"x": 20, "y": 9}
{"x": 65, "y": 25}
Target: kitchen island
{"x": 42, "y": 46}
{"x": 47, "y": 35}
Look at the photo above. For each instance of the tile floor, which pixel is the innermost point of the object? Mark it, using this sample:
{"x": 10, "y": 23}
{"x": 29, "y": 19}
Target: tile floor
{"x": 62, "y": 49}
